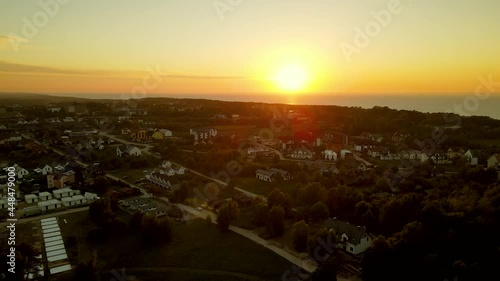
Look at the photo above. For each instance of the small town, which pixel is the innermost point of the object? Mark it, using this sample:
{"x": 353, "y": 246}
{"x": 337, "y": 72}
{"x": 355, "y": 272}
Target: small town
{"x": 230, "y": 140}
{"x": 281, "y": 177}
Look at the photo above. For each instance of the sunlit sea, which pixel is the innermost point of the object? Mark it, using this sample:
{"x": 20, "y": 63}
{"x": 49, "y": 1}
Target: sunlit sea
{"x": 464, "y": 104}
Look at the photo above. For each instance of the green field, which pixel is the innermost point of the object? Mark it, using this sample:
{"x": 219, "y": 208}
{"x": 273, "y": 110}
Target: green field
{"x": 197, "y": 252}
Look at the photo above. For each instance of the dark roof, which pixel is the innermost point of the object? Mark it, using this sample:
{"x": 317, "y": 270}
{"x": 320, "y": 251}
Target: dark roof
{"x": 354, "y": 233}
{"x": 282, "y": 172}
{"x": 267, "y": 173}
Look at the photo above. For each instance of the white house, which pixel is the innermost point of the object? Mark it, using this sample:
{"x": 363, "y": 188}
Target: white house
{"x": 79, "y": 199}
{"x": 180, "y": 171}
{"x": 264, "y": 175}
{"x": 163, "y": 181}
{"x": 90, "y": 196}
{"x": 44, "y": 196}
{"x": 4, "y": 204}
{"x": 166, "y": 164}
{"x": 301, "y": 153}
{"x": 166, "y": 133}
{"x": 63, "y": 192}
{"x": 344, "y": 153}
{"x": 20, "y": 171}
{"x": 284, "y": 174}
{"x": 169, "y": 172}
{"x": 330, "y": 155}
{"x": 31, "y": 198}
{"x": 46, "y": 170}
{"x": 49, "y": 205}
{"x": 494, "y": 161}
{"x": 472, "y": 156}
{"x": 67, "y": 201}
{"x": 353, "y": 239}
{"x": 131, "y": 150}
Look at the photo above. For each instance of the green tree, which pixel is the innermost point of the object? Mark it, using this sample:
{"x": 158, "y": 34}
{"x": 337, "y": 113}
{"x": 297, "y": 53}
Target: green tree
{"x": 86, "y": 270}
{"x": 156, "y": 231}
{"x": 100, "y": 211}
{"x": 300, "y": 232}
{"x": 311, "y": 193}
{"x": 135, "y": 223}
{"x": 319, "y": 212}
{"x": 278, "y": 198}
{"x": 261, "y": 214}
{"x": 227, "y": 214}
{"x": 276, "y": 221}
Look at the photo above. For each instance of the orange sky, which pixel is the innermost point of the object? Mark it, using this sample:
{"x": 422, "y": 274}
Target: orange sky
{"x": 195, "y": 47}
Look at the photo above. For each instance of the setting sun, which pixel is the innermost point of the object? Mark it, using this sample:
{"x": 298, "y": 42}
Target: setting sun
{"x": 291, "y": 78}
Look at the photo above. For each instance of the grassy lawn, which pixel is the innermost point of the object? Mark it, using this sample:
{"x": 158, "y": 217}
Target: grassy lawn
{"x": 486, "y": 142}
{"x": 133, "y": 175}
{"x": 197, "y": 252}
{"x": 264, "y": 188}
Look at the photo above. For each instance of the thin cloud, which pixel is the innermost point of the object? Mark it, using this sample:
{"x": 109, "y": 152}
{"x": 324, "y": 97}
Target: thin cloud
{"x": 10, "y": 67}
{"x": 11, "y": 40}
{"x": 190, "y": 76}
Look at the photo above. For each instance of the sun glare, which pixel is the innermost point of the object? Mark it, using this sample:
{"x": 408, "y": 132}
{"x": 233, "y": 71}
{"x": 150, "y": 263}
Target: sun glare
{"x": 291, "y": 78}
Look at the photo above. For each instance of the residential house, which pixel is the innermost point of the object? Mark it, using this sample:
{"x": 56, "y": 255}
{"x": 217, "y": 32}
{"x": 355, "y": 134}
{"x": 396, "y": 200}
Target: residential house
{"x": 180, "y": 171}
{"x": 330, "y": 155}
{"x": 166, "y": 164}
{"x": 126, "y": 131}
{"x": 352, "y": 239}
{"x": 168, "y": 171}
{"x": 54, "y": 109}
{"x": 129, "y": 149}
{"x": 63, "y": 192}
{"x": 472, "y": 156}
{"x": 301, "y": 153}
{"x": 203, "y": 134}
{"x": 46, "y": 170}
{"x": 163, "y": 181}
{"x": 284, "y": 174}
{"x": 60, "y": 179}
{"x": 20, "y": 171}
{"x": 139, "y": 135}
{"x": 400, "y": 136}
{"x": 344, "y": 153}
{"x": 410, "y": 154}
{"x": 31, "y": 198}
{"x": 4, "y": 204}
{"x": 494, "y": 161}
{"x": 328, "y": 170}
{"x": 265, "y": 175}
{"x": 166, "y": 133}
{"x": 157, "y": 135}
{"x": 51, "y": 204}
{"x": 44, "y": 196}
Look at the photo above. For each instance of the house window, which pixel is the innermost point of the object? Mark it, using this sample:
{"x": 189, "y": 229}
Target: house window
{"x": 351, "y": 249}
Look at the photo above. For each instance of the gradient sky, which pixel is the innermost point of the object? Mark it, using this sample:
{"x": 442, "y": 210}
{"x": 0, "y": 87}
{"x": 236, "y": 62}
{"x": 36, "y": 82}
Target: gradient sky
{"x": 96, "y": 46}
